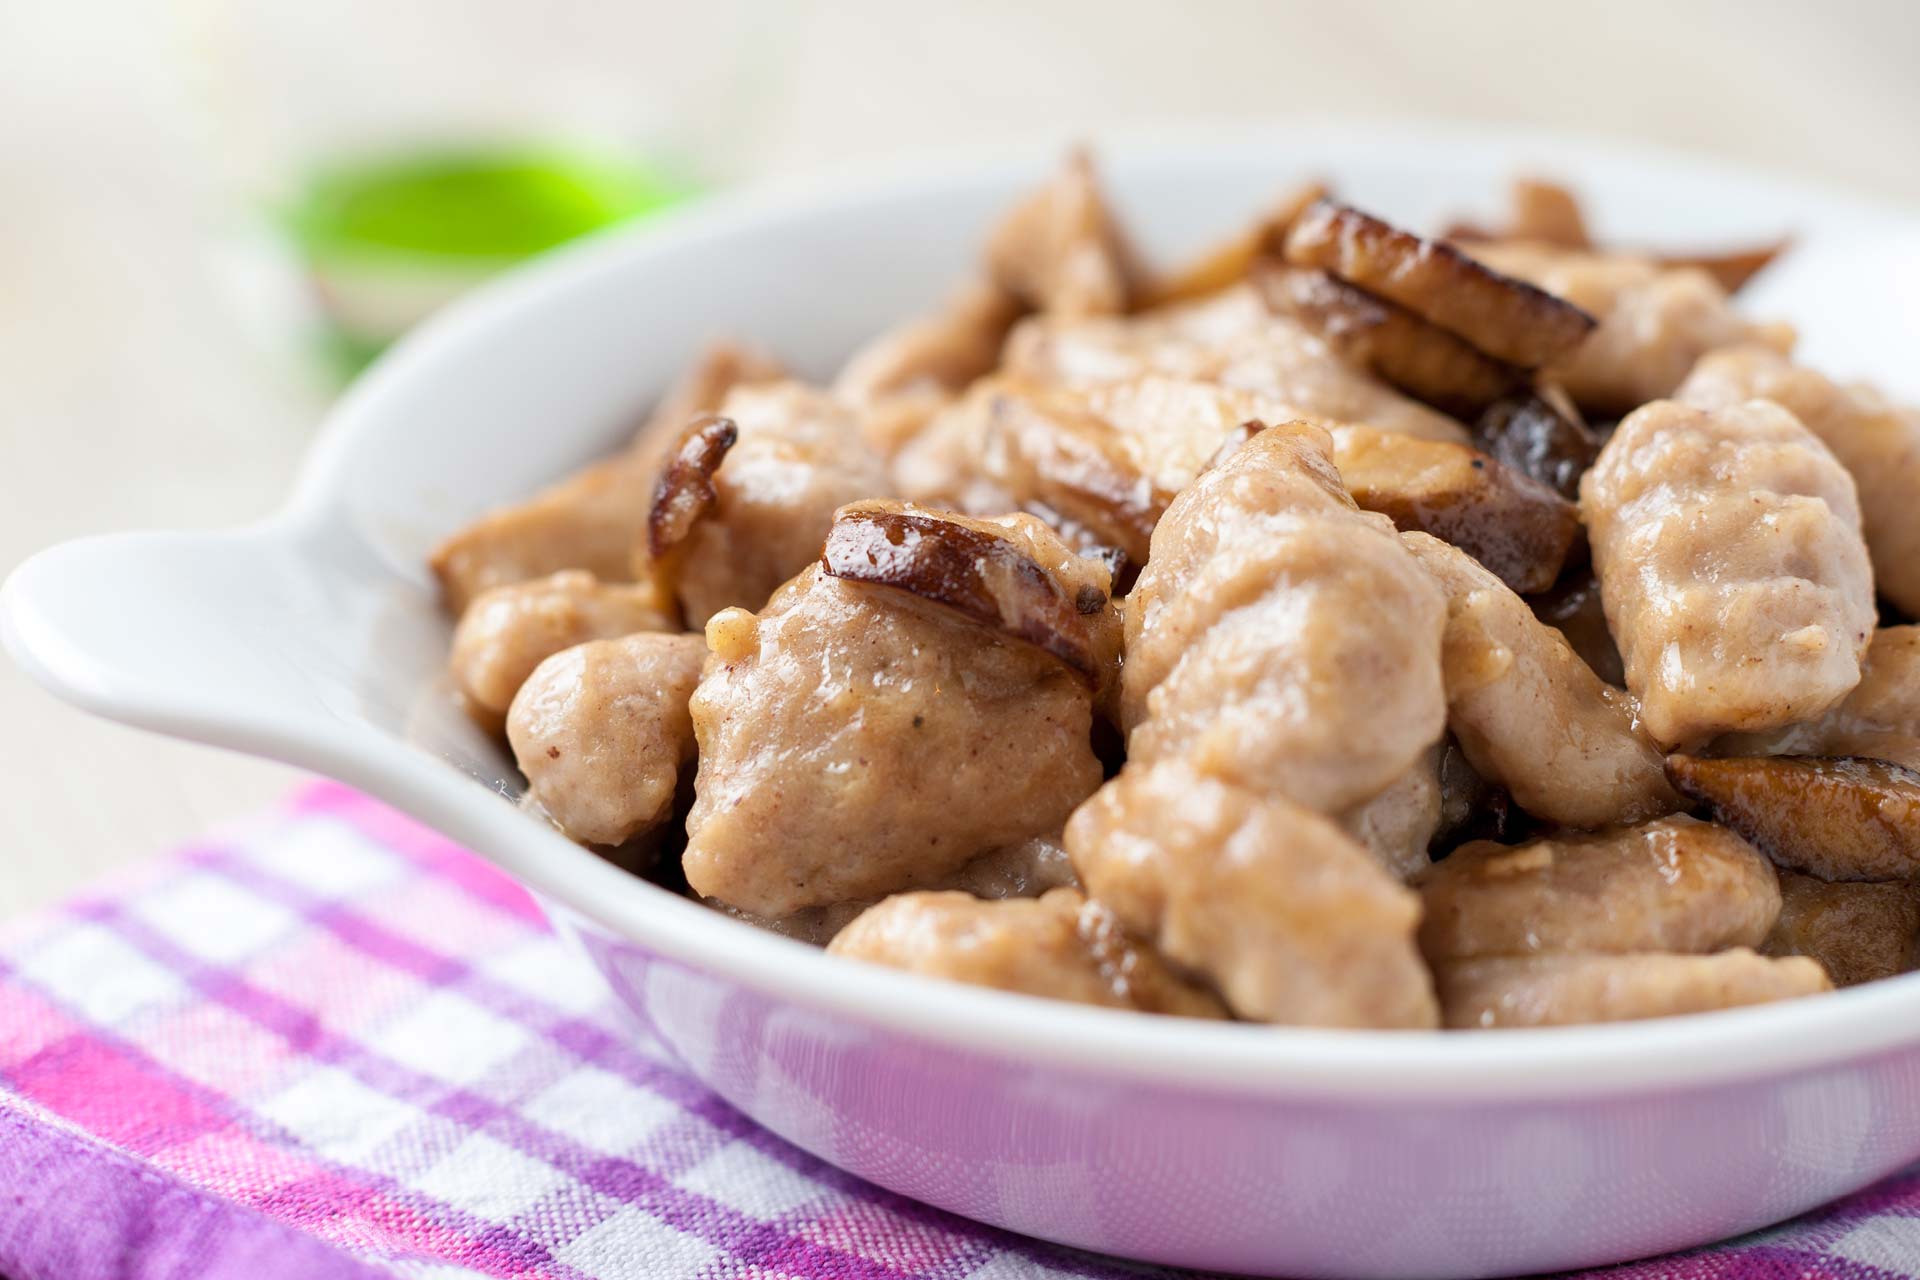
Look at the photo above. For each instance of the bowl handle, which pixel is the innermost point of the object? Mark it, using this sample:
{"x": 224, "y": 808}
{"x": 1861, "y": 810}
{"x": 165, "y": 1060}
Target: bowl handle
{"x": 245, "y": 639}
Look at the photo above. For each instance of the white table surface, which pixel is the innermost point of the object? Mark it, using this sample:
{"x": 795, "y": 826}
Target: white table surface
{"x": 134, "y": 391}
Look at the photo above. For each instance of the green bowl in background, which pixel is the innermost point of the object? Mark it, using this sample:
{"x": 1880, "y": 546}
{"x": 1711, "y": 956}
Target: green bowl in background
{"x": 387, "y": 239}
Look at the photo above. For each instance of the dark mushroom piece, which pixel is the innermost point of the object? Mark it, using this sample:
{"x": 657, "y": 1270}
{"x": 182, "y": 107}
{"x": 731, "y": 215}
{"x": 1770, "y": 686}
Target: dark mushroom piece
{"x": 1233, "y": 260}
{"x": 1527, "y": 433}
{"x": 684, "y": 492}
{"x": 1858, "y": 930}
{"x": 1836, "y": 817}
{"x": 1730, "y": 268}
{"x": 1573, "y": 608}
{"x": 1519, "y": 529}
{"x": 1504, "y": 317}
{"x": 1395, "y": 345}
{"x": 963, "y": 566}
{"x": 1472, "y": 807}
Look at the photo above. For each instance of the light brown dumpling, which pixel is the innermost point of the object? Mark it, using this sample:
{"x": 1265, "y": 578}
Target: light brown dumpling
{"x": 1677, "y": 884}
{"x": 1232, "y": 340}
{"x": 1655, "y": 321}
{"x": 602, "y": 732}
{"x": 591, "y": 519}
{"x": 1880, "y": 718}
{"x": 1025, "y": 870}
{"x": 1876, "y": 441}
{"x": 1561, "y": 990}
{"x": 1059, "y": 945}
{"x": 1529, "y": 714}
{"x": 1288, "y": 917}
{"x": 799, "y": 455}
{"x": 1281, "y": 639}
{"x": 588, "y": 521}
{"x": 857, "y": 741}
{"x": 904, "y": 376}
{"x": 1732, "y": 569}
{"x": 509, "y": 630}
{"x": 1060, "y": 249}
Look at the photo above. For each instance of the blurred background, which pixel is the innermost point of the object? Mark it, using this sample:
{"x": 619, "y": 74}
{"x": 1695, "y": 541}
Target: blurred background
{"x": 180, "y": 206}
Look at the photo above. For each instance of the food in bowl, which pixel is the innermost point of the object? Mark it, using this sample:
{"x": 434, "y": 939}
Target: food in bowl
{"x": 1351, "y": 629}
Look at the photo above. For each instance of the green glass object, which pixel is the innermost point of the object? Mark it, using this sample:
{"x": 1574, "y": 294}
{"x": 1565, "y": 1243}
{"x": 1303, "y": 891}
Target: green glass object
{"x": 388, "y": 238}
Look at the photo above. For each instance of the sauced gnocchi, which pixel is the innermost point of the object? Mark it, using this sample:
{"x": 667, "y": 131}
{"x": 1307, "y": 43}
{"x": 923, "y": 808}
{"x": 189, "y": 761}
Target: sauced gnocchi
{"x": 1349, "y": 628}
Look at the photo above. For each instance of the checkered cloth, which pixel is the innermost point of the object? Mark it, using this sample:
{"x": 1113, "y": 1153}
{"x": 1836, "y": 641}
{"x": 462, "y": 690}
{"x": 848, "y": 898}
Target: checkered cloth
{"x": 332, "y": 1044}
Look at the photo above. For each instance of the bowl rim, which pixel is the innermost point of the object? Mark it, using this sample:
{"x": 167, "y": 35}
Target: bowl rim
{"x": 1386, "y": 1066}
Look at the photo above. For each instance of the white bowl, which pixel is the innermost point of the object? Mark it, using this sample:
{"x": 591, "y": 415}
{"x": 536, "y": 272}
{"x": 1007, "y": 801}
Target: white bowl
{"x": 316, "y": 638}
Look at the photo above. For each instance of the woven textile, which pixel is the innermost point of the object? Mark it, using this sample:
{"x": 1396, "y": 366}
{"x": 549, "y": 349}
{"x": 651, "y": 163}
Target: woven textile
{"x": 332, "y": 1044}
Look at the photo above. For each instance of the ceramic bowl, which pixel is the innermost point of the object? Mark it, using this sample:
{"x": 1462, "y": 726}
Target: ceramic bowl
{"x": 316, "y": 638}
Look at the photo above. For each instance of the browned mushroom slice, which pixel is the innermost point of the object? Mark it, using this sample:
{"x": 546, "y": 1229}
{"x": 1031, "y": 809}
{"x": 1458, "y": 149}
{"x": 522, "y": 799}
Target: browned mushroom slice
{"x": 1076, "y": 466}
{"x": 1391, "y": 342}
{"x": 1546, "y": 213}
{"x": 1836, "y": 817}
{"x": 1060, "y": 250}
{"x": 1529, "y": 434}
{"x": 960, "y": 564}
{"x": 684, "y": 492}
{"x": 1730, "y": 268}
{"x": 1230, "y": 262}
{"x": 1858, "y": 930}
{"x": 1506, "y": 318}
{"x": 1518, "y": 529}
{"x": 1563, "y": 990}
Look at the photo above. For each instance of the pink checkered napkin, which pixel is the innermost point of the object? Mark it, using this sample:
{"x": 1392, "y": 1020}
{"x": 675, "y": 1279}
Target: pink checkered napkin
{"x": 332, "y": 1044}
